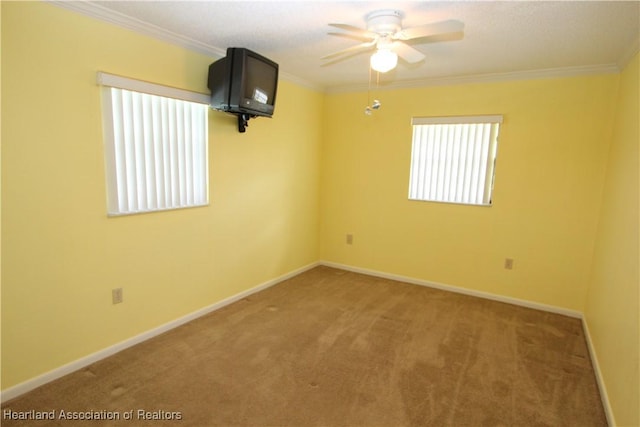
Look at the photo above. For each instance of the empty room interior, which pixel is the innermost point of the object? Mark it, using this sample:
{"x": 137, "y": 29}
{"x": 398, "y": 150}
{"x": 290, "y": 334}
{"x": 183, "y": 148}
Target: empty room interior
{"x": 316, "y": 281}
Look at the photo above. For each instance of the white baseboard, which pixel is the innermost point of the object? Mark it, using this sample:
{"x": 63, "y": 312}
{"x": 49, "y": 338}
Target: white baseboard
{"x": 24, "y": 387}
{"x": 596, "y": 367}
{"x": 538, "y": 306}
{"x": 459, "y": 290}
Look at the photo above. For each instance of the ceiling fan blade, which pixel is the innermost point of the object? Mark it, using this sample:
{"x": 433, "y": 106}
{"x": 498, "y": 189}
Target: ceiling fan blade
{"x": 351, "y": 49}
{"x": 357, "y": 31}
{"x": 407, "y": 53}
{"x": 351, "y": 36}
{"x": 436, "y": 28}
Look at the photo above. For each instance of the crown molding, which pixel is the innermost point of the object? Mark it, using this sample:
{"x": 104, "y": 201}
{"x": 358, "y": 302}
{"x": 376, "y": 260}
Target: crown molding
{"x": 101, "y": 13}
{"x": 485, "y": 78}
{"x": 629, "y": 53}
{"x": 301, "y": 82}
{"x": 104, "y": 14}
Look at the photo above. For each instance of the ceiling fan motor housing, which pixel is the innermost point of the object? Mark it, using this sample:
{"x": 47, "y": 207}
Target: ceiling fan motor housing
{"x": 384, "y": 22}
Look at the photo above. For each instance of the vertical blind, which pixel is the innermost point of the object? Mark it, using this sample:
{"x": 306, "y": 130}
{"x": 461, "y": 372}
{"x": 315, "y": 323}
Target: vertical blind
{"x": 156, "y": 152}
{"x": 453, "y": 159}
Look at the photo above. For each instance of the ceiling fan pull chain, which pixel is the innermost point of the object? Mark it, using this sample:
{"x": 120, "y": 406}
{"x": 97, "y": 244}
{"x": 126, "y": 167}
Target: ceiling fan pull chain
{"x": 376, "y": 103}
{"x": 367, "y": 109}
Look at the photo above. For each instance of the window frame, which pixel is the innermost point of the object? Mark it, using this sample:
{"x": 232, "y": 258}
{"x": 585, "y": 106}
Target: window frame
{"x": 143, "y": 91}
{"x": 419, "y": 175}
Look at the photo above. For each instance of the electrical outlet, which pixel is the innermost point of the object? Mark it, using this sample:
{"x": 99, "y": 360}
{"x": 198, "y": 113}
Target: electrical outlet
{"x": 349, "y": 239}
{"x": 508, "y": 263}
{"x": 116, "y": 296}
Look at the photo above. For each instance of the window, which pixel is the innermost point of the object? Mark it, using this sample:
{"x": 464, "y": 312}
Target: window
{"x": 453, "y": 159}
{"x": 156, "y": 141}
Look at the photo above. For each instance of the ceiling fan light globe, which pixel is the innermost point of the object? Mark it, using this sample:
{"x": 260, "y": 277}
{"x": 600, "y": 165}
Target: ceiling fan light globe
{"x": 384, "y": 60}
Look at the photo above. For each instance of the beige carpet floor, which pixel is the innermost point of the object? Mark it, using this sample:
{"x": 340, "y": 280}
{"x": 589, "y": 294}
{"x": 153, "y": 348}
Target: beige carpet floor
{"x": 335, "y": 348}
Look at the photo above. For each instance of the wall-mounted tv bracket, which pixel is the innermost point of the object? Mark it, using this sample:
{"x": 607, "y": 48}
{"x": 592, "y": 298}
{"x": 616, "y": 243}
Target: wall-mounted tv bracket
{"x": 243, "y": 121}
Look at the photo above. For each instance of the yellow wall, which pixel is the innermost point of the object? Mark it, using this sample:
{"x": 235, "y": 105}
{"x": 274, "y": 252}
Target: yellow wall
{"x": 613, "y": 300}
{"x": 284, "y": 195}
{"x": 549, "y": 176}
{"x": 61, "y": 255}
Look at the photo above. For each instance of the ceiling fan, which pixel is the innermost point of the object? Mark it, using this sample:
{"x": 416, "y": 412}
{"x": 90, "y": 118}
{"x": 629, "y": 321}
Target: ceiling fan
{"x": 384, "y": 31}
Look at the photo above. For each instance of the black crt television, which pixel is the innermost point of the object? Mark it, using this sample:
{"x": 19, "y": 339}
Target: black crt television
{"x": 243, "y": 83}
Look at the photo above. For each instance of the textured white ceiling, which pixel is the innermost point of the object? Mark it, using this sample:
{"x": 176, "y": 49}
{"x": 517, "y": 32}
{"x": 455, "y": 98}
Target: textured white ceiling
{"x": 499, "y": 38}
